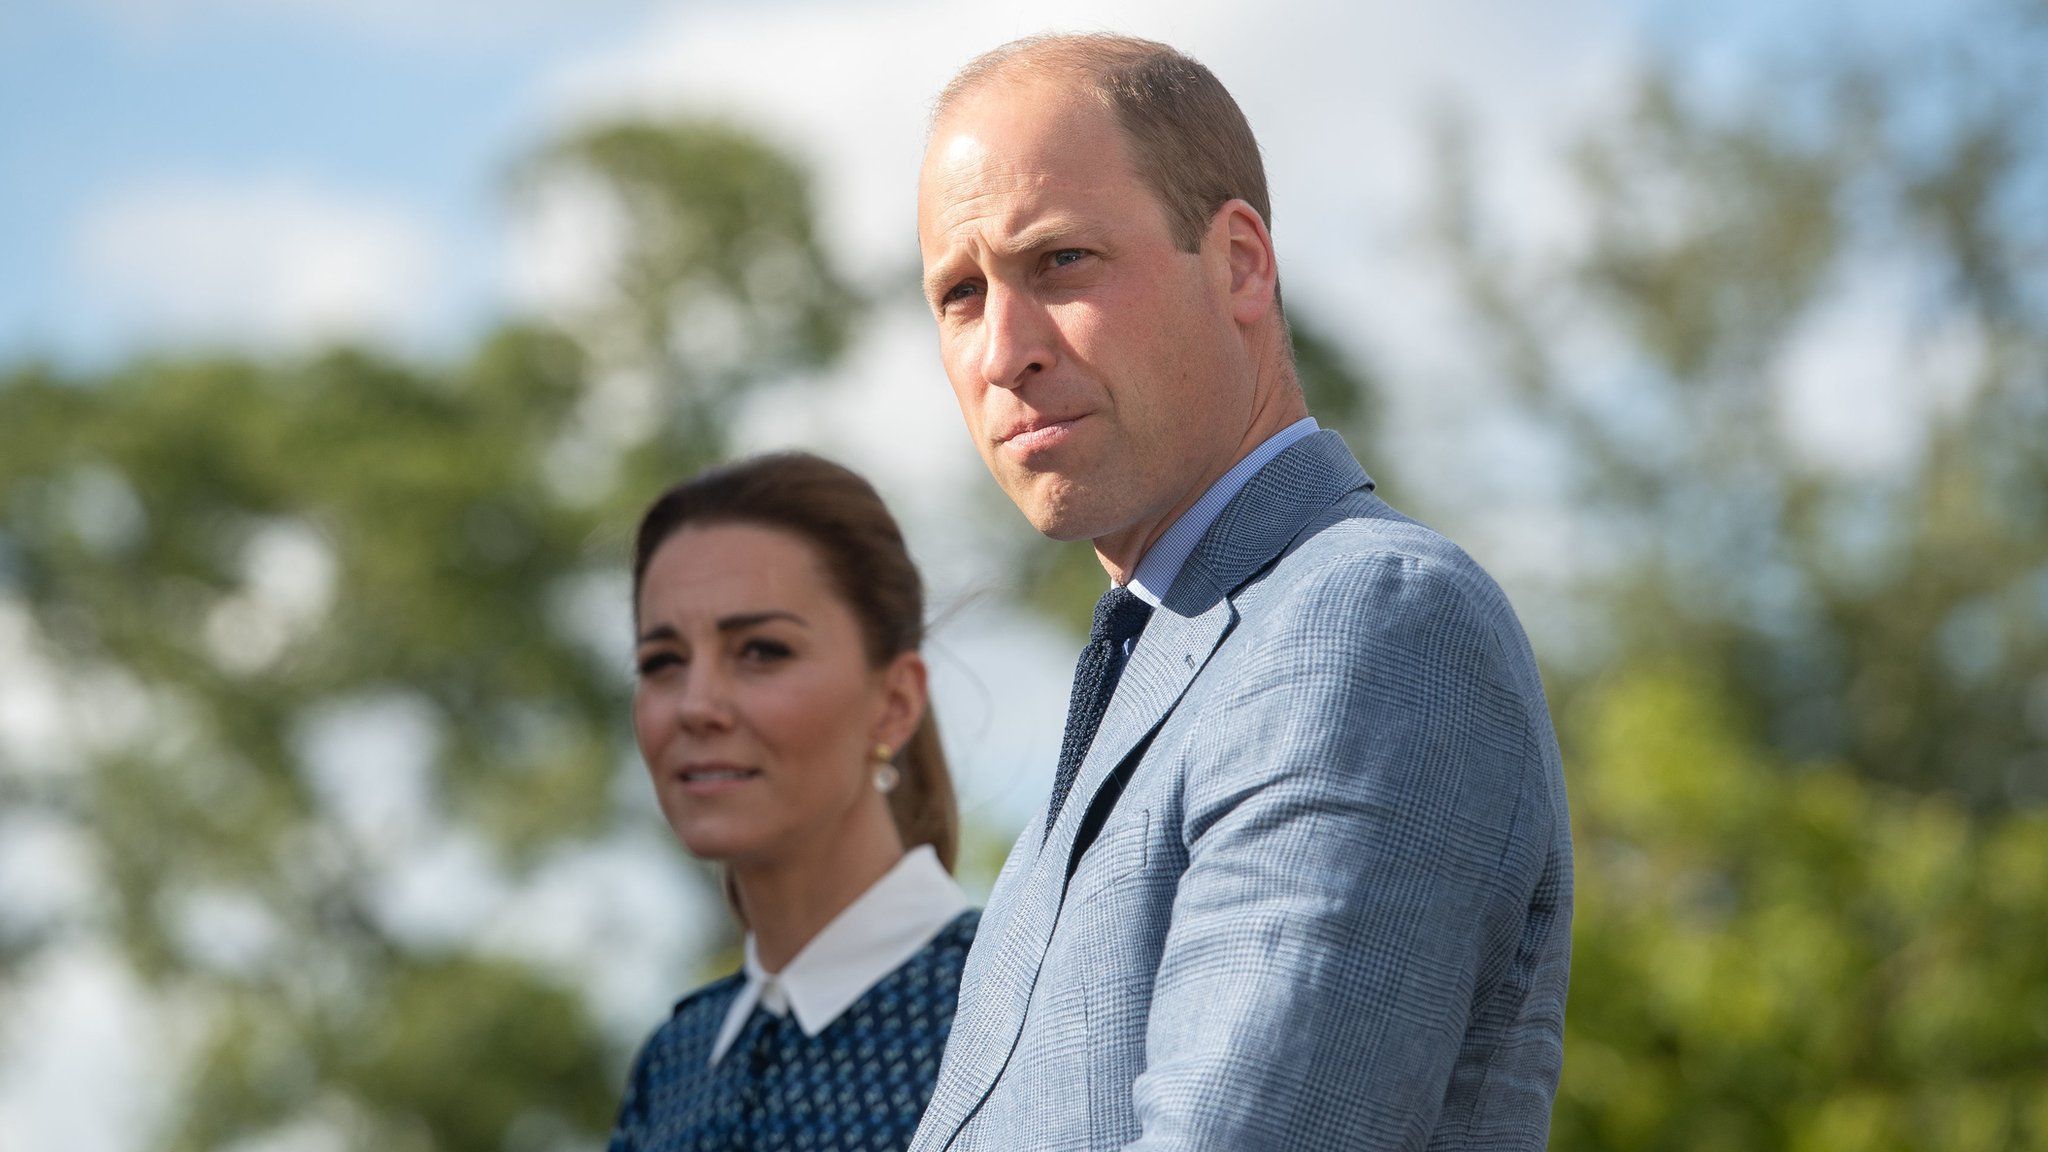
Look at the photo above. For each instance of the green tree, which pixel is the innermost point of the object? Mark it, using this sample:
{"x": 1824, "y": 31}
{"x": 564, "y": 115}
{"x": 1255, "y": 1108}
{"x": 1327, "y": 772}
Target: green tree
{"x": 1896, "y": 622}
{"x": 1780, "y": 956}
{"x": 1808, "y": 752}
{"x": 215, "y": 554}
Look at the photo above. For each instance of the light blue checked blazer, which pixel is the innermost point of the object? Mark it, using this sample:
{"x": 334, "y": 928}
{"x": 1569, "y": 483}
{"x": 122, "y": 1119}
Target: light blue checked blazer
{"x": 1312, "y": 889}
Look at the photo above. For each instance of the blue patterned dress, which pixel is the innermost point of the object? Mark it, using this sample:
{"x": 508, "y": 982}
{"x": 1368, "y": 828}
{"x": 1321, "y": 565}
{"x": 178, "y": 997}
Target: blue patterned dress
{"x": 858, "y": 1085}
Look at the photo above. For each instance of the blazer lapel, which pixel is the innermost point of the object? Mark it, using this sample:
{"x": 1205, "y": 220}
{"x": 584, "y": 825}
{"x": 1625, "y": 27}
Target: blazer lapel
{"x": 1172, "y": 649}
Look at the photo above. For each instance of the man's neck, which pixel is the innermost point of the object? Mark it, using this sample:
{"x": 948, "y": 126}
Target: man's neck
{"x": 1122, "y": 550}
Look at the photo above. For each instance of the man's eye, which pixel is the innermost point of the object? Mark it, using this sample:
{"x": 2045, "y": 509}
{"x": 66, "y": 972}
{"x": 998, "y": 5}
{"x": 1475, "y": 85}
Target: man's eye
{"x": 1066, "y": 256}
{"x": 957, "y": 292}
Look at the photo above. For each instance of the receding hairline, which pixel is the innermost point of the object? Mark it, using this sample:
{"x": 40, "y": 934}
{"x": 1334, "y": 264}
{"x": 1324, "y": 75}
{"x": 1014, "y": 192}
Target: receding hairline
{"x": 1047, "y": 57}
{"x": 1185, "y": 136}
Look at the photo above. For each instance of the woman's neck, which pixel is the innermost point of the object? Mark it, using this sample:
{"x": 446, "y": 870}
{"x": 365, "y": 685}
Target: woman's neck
{"x": 789, "y": 900}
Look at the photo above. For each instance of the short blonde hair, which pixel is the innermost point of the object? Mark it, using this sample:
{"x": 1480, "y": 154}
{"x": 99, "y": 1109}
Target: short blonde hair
{"x": 1189, "y": 140}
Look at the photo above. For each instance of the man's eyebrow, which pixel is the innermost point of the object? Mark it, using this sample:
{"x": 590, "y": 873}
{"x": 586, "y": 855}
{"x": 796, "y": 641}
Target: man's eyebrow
{"x": 1043, "y": 235}
{"x": 939, "y": 278}
{"x": 661, "y": 632}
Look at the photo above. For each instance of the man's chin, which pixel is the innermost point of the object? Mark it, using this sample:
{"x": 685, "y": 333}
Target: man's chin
{"x": 1064, "y": 511}
{"x": 1063, "y": 533}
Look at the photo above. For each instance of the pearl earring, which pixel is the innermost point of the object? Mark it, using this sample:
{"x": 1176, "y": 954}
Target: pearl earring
{"x": 886, "y": 775}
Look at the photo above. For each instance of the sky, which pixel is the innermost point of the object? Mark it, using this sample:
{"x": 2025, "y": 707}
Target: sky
{"x": 279, "y": 172}
{"x": 275, "y": 174}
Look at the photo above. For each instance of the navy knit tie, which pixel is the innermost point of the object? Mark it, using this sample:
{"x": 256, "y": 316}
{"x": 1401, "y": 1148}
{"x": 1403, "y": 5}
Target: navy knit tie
{"x": 1119, "y": 617}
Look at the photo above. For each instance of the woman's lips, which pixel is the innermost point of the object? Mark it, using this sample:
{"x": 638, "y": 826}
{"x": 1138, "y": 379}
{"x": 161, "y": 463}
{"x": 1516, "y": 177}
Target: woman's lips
{"x": 714, "y": 779}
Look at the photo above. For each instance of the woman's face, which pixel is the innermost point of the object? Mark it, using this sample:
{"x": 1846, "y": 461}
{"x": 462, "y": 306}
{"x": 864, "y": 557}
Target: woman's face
{"x": 757, "y": 711}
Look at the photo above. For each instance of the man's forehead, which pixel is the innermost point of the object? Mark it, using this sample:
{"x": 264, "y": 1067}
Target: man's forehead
{"x": 979, "y": 189}
{"x": 1019, "y": 126}
{"x": 1015, "y": 158}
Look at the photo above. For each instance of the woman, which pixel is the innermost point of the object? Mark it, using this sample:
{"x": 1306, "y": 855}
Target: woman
{"x": 781, "y": 710}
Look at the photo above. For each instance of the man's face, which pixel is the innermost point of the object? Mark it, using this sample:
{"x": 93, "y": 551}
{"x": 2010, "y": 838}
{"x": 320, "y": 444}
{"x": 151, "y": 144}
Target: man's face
{"x": 1095, "y": 362}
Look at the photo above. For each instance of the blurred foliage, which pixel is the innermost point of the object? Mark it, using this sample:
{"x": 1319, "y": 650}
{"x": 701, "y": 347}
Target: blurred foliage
{"x": 1876, "y": 226}
{"x": 719, "y": 277}
{"x": 220, "y": 557}
{"x": 1808, "y": 755}
{"x": 1787, "y": 956}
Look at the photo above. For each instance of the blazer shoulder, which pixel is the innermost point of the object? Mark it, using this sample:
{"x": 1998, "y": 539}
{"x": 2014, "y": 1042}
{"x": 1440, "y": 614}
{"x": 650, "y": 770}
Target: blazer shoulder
{"x": 1361, "y": 552}
{"x": 1366, "y": 578}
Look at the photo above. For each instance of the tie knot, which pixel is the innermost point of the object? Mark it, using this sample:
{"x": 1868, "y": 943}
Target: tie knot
{"x": 1119, "y": 616}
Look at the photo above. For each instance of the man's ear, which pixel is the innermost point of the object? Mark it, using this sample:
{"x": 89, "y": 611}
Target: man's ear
{"x": 904, "y": 700}
{"x": 1243, "y": 259}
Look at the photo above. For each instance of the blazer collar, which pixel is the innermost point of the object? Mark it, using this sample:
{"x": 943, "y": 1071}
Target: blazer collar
{"x": 1265, "y": 517}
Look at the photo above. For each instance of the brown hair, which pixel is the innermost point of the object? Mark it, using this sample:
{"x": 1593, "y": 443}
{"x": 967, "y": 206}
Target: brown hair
{"x": 845, "y": 522}
{"x": 1189, "y": 140}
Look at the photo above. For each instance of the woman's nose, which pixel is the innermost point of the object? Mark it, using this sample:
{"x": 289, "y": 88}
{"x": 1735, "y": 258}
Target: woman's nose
{"x": 705, "y": 703}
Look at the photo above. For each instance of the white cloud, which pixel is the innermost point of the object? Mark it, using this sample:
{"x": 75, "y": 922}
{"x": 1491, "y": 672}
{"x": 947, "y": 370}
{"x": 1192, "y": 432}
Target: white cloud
{"x": 453, "y": 23}
{"x": 1335, "y": 91}
{"x": 272, "y": 262}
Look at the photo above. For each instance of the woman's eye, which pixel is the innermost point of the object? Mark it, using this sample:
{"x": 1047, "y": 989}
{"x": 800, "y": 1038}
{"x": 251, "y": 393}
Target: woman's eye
{"x": 656, "y": 662}
{"x": 764, "y": 651}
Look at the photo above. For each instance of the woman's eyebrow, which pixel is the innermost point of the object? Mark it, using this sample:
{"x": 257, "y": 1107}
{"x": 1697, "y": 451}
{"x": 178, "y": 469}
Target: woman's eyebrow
{"x": 735, "y": 623}
{"x": 749, "y": 619}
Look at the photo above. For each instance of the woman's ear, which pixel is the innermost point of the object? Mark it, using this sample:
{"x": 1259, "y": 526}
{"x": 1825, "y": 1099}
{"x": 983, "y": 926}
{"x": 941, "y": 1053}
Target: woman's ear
{"x": 903, "y": 700}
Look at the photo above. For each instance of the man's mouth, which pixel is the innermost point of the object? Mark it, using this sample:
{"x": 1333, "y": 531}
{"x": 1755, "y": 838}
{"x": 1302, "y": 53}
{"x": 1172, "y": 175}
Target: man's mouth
{"x": 1037, "y": 435}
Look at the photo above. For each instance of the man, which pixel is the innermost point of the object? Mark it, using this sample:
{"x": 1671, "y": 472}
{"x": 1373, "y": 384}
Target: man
{"x": 1304, "y": 881}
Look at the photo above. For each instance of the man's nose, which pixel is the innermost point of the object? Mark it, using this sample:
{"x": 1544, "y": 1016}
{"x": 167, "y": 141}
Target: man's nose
{"x": 1018, "y": 338}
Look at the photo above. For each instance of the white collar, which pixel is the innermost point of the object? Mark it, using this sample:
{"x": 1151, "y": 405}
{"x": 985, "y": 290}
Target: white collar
{"x": 872, "y": 937}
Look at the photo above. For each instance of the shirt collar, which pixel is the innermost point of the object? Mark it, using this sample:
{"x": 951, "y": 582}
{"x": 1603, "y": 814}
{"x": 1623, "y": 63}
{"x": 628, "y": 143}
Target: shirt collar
{"x": 886, "y": 925}
{"x": 1162, "y": 562}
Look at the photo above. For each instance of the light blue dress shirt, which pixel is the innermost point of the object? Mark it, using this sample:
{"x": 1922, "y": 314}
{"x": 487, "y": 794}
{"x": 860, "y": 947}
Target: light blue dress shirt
{"x": 1160, "y": 564}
